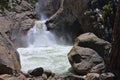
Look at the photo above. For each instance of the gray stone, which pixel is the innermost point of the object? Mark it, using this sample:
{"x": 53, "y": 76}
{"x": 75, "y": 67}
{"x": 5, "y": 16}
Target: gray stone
{"x": 85, "y": 60}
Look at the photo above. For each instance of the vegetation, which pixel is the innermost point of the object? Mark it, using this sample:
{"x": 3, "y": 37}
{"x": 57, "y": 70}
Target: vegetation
{"x": 102, "y": 13}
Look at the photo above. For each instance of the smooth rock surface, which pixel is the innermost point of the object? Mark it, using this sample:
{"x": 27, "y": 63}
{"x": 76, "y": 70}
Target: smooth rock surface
{"x": 85, "y": 60}
{"x": 90, "y": 40}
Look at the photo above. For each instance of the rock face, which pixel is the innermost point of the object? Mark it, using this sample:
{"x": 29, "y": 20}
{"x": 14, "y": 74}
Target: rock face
{"x": 14, "y": 24}
{"x": 9, "y": 58}
{"x": 47, "y": 7}
{"x": 68, "y": 13}
{"x": 89, "y": 54}
{"x": 68, "y": 18}
{"x": 75, "y": 17}
{"x": 17, "y": 22}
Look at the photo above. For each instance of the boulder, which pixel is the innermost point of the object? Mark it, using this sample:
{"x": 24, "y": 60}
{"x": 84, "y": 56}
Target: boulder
{"x": 89, "y": 54}
{"x": 90, "y": 40}
{"x": 85, "y": 60}
{"x": 9, "y": 57}
{"x": 36, "y": 72}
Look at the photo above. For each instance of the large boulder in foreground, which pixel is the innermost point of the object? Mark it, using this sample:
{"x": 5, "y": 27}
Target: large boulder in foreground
{"x": 85, "y": 60}
{"x": 90, "y": 40}
{"x": 9, "y": 57}
{"x": 89, "y": 54}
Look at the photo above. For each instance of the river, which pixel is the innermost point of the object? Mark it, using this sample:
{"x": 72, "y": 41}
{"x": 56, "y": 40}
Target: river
{"x": 43, "y": 51}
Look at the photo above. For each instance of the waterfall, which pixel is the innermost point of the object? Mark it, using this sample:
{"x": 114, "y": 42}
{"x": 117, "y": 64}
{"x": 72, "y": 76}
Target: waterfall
{"x": 39, "y": 36}
{"x": 43, "y": 51}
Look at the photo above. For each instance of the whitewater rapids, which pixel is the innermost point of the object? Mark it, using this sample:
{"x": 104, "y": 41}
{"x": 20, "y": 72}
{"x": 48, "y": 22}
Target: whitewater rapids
{"x": 43, "y": 51}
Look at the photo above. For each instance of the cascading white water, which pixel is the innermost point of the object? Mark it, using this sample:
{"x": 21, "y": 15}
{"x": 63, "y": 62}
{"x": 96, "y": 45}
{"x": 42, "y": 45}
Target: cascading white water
{"x": 43, "y": 51}
{"x": 38, "y": 36}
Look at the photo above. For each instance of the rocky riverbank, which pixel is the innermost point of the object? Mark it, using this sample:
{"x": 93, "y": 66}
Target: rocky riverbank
{"x": 89, "y": 55}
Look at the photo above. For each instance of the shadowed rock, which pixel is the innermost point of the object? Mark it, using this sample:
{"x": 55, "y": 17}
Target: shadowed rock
{"x": 37, "y": 72}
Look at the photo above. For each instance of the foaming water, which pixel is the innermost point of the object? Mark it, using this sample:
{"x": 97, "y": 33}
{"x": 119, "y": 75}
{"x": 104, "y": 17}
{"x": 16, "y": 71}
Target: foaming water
{"x": 43, "y": 51}
{"x": 39, "y": 36}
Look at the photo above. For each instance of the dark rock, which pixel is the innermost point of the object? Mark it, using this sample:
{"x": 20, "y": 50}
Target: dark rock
{"x": 68, "y": 18}
{"x": 67, "y": 13}
{"x": 107, "y": 76}
{"x": 36, "y": 72}
{"x": 85, "y": 60}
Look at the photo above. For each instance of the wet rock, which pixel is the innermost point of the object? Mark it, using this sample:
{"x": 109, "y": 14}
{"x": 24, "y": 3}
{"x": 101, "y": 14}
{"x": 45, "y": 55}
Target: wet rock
{"x": 85, "y": 60}
{"x": 36, "y": 72}
{"x": 9, "y": 57}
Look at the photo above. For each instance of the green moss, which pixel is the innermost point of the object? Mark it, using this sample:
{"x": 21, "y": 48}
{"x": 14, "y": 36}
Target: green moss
{"x": 106, "y": 9}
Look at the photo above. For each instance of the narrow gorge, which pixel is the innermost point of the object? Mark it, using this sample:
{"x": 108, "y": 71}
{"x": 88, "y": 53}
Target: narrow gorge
{"x": 58, "y": 39}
